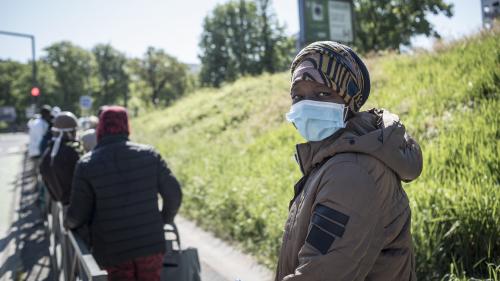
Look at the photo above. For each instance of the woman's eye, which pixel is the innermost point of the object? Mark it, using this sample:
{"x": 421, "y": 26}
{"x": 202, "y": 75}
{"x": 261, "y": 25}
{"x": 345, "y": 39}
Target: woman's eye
{"x": 323, "y": 94}
{"x": 296, "y": 98}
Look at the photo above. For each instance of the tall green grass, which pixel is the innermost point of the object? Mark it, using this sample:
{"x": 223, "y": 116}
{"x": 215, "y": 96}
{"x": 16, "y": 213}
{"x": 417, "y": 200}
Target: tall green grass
{"x": 233, "y": 152}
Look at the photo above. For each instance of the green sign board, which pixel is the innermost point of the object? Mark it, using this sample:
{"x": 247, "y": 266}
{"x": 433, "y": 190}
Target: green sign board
{"x": 326, "y": 20}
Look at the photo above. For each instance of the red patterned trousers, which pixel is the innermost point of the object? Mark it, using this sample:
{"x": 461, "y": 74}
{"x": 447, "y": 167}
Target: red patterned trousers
{"x": 139, "y": 269}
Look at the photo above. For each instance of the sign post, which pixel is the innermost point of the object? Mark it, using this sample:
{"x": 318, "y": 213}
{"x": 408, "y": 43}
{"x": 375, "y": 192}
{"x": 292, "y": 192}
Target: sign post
{"x": 86, "y": 103}
{"x": 326, "y": 20}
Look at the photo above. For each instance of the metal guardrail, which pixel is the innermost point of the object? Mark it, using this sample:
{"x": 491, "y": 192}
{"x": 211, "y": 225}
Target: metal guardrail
{"x": 70, "y": 258}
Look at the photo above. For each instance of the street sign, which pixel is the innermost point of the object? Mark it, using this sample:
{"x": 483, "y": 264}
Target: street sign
{"x": 86, "y": 102}
{"x": 322, "y": 20}
{"x": 7, "y": 113}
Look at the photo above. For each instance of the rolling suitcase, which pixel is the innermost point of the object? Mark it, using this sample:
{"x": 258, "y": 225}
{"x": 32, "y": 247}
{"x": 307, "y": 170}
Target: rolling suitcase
{"x": 179, "y": 264}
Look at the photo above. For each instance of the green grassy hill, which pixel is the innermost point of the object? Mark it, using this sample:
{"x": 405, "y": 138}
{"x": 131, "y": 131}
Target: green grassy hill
{"x": 233, "y": 152}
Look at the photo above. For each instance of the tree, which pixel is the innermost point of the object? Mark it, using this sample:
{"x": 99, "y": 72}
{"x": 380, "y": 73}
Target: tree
{"x": 387, "y": 24}
{"x": 16, "y": 82}
{"x": 267, "y": 34}
{"x": 241, "y": 38}
{"x": 111, "y": 75}
{"x": 278, "y": 49}
{"x": 166, "y": 77}
{"x": 73, "y": 67}
{"x": 10, "y": 73}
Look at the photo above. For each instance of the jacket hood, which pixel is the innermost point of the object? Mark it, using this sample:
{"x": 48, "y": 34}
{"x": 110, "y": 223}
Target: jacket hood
{"x": 375, "y": 132}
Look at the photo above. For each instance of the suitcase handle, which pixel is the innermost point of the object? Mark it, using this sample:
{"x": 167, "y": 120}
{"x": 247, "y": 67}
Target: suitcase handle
{"x": 175, "y": 231}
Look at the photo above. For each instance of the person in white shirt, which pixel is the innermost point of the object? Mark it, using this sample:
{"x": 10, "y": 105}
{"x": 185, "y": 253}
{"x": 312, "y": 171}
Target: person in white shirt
{"x": 38, "y": 126}
{"x": 89, "y": 137}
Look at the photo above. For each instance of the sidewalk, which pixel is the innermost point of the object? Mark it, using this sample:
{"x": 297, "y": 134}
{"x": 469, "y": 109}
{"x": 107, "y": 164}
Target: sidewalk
{"x": 34, "y": 245}
{"x": 12, "y": 147}
{"x": 10, "y": 183}
{"x": 25, "y": 255}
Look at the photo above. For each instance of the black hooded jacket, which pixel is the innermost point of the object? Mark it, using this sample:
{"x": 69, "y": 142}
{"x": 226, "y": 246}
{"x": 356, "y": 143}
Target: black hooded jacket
{"x": 115, "y": 192}
{"x": 57, "y": 173}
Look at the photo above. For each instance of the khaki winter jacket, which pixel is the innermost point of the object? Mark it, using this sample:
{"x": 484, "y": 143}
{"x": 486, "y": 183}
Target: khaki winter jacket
{"x": 350, "y": 218}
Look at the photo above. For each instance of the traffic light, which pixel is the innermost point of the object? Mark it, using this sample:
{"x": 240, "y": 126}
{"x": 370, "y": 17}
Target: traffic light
{"x": 35, "y": 92}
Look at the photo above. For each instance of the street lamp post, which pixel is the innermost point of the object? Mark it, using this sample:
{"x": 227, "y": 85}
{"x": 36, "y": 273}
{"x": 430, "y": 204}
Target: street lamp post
{"x": 32, "y": 37}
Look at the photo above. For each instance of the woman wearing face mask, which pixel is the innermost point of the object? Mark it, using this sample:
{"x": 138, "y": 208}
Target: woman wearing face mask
{"x": 350, "y": 217}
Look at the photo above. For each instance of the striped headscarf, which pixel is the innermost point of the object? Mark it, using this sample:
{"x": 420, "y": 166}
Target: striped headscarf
{"x": 336, "y": 66}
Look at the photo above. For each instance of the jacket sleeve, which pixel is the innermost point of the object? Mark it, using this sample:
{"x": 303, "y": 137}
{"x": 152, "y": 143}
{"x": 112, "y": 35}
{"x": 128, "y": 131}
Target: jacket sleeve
{"x": 342, "y": 235}
{"x": 170, "y": 191}
{"x": 81, "y": 203}
{"x": 47, "y": 175}
{"x": 71, "y": 158}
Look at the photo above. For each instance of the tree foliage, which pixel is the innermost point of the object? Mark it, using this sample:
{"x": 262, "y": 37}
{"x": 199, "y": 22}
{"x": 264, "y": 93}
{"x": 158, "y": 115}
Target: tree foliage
{"x": 9, "y": 82}
{"x": 278, "y": 49}
{"x": 387, "y": 24}
{"x": 112, "y": 76}
{"x": 16, "y": 82}
{"x": 73, "y": 67}
{"x": 242, "y": 38}
{"x": 68, "y": 71}
{"x": 165, "y": 76}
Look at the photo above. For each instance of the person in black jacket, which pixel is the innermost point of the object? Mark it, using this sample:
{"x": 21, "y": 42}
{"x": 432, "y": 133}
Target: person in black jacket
{"x": 47, "y": 137}
{"x": 59, "y": 159}
{"x": 115, "y": 191}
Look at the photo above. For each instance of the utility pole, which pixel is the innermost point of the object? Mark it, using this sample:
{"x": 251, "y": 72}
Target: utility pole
{"x": 33, "y": 60}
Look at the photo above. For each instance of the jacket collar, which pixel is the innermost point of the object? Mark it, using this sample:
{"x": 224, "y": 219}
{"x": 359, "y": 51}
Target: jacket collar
{"x": 109, "y": 139}
{"x": 376, "y": 133}
{"x": 307, "y": 153}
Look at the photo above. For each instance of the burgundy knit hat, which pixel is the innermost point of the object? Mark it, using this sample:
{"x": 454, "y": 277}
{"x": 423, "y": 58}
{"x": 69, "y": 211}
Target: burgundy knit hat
{"x": 113, "y": 121}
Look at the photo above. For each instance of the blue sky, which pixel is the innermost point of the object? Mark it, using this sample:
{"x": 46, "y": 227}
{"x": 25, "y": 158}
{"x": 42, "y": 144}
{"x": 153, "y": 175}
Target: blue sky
{"x": 133, "y": 25}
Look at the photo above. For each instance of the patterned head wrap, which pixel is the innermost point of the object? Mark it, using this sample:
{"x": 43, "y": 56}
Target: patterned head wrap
{"x": 336, "y": 66}
{"x": 113, "y": 121}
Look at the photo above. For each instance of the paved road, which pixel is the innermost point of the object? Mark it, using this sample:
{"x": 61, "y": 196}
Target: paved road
{"x": 12, "y": 147}
{"x": 23, "y": 251}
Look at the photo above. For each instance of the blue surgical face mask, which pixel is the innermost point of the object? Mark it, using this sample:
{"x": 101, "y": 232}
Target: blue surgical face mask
{"x": 317, "y": 120}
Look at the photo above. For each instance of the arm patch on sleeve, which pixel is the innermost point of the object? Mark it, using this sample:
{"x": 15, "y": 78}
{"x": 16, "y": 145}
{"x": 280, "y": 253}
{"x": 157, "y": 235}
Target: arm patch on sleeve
{"x": 332, "y": 214}
{"x": 326, "y": 225}
{"x": 319, "y": 239}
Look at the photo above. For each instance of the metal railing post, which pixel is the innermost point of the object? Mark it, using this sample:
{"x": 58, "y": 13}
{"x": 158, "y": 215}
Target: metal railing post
{"x": 70, "y": 257}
